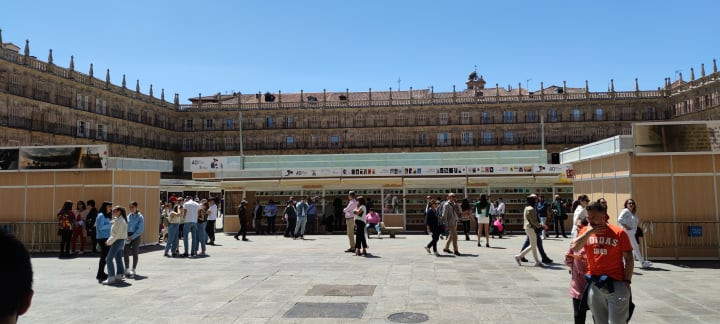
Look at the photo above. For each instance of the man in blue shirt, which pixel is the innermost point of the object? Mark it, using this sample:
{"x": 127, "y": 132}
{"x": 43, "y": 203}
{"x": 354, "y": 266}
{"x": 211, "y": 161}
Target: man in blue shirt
{"x": 136, "y": 226}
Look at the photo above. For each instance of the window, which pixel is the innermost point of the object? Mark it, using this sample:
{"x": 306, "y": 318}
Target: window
{"x": 82, "y": 129}
{"x": 422, "y": 140}
{"x": 83, "y": 102}
{"x": 553, "y": 116}
{"x": 599, "y": 114}
{"x": 189, "y": 124}
{"x": 270, "y": 122}
{"x": 229, "y": 123}
{"x": 488, "y": 138}
{"x": 101, "y": 106}
{"x": 465, "y": 117}
{"x": 289, "y": 140}
{"x": 577, "y": 115}
{"x": 509, "y": 117}
{"x": 289, "y": 122}
{"x": 650, "y": 113}
{"x": 486, "y": 118}
{"x": 531, "y": 116}
{"x": 509, "y": 137}
{"x": 209, "y": 124}
{"x": 627, "y": 113}
{"x": 101, "y": 132}
{"x": 443, "y": 139}
{"x": 400, "y": 120}
{"x": 335, "y": 139}
{"x": 188, "y": 144}
{"x": 466, "y": 138}
{"x": 421, "y": 119}
{"x": 209, "y": 143}
{"x": 228, "y": 143}
{"x": 443, "y": 118}
{"x": 359, "y": 121}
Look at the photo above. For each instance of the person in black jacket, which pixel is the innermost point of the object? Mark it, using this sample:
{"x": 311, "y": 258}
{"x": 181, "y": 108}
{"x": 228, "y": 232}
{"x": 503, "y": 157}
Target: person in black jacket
{"x": 90, "y": 224}
{"x": 242, "y": 218}
{"x": 257, "y": 217}
{"x": 432, "y": 225}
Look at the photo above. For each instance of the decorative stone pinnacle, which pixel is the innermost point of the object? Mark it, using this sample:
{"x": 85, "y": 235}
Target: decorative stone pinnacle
{"x": 50, "y": 57}
{"x": 27, "y": 47}
{"x": 72, "y": 63}
{"x": 91, "y": 70}
{"x": 124, "y": 85}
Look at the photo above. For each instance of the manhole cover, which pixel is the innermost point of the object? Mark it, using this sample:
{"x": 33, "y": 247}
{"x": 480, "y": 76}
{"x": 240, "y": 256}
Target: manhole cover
{"x": 408, "y": 317}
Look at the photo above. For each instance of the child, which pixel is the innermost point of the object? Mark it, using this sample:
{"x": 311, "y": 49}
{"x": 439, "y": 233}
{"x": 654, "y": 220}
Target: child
{"x": 577, "y": 261}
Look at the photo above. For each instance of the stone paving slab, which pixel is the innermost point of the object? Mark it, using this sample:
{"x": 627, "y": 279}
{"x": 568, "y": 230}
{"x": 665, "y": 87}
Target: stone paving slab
{"x": 261, "y": 280}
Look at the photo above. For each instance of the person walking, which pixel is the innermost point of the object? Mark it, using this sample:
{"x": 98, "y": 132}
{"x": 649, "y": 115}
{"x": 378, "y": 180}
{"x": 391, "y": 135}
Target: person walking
{"x": 242, "y": 218}
{"x": 559, "y": 217}
{"x": 102, "y": 232}
{"x": 350, "y": 220}
{"x": 482, "y": 213}
{"x": 360, "y": 214}
{"x": 610, "y": 266}
{"x": 81, "y": 213}
{"x": 65, "y": 218}
{"x": 290, "y": 217}
{"x": 432, "y": 225}
{"x": 302, "y": 216}
{"x": 271, "y": 211}
{"x": 174, "y": 220}
{"x": 580, "y": 213}
{"x": 539, "y": 241}
{"x": 543, "y": 211}
{"x": 190, "y": 212}
{"x": 90, "y": 224}
{"x": 257, "y": 217}
{"x": 530, "y": 225}
{"x": 116, "y": 242}
{"x": 465, "y": 214}
{"x": 135, "y": 228}
{"x": 629, "y": 223}
{"x": 211, "y": 219}
{"x": 450, "y": 216}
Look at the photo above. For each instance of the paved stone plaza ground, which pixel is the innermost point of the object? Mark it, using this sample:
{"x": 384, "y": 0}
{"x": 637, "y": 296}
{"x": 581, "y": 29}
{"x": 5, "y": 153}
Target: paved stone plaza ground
{"x": 263, "y": 281}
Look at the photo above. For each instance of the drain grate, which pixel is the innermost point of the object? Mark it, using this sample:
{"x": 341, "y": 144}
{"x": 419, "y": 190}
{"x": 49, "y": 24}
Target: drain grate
{"x": 408, "y": 317}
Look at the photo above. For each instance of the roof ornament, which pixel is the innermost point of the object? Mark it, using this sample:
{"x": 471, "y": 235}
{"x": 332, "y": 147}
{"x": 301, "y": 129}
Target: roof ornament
{"x": 72, "y": 63}
{"x": 91, "y": 70}
{"x": 50, "y": 58}
{"x": 124, "y": 84}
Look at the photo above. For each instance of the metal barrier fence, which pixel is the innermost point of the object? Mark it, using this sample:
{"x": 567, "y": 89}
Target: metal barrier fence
{"x": 681, "y": 235}
{"x": 37, "y": 236}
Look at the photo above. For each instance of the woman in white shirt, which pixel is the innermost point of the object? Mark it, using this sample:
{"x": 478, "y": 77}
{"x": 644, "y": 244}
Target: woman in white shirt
{"x": 116, "y": 242}
{"x": 580, "y": 213}
{"x": 629, "y": 222}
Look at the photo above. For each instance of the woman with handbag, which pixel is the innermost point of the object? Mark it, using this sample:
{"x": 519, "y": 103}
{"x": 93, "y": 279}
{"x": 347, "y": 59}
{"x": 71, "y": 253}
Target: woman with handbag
{"x": 482, "y": 213}
{"x": 66, "y": 219}
{"x": 629, "y": 222}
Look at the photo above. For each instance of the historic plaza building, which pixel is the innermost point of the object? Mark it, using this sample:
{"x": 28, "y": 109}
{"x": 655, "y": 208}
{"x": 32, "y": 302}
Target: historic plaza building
{"x": 42, "y": 103}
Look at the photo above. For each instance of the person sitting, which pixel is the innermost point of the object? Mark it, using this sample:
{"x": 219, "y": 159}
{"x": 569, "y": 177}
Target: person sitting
{"x": 373, "y": 220}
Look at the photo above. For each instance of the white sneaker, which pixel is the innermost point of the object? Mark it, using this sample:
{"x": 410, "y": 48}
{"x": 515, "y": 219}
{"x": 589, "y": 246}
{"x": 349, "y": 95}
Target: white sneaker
{"x": 108, "y": 281}
{"x": 80, "y": 253}
{"x": 120, "y": 276}
{"x": 646, "y": 264}
{"x": 539, "y": 264}
{"x": 517, "y": 259}
{"x": 427, "y": 249}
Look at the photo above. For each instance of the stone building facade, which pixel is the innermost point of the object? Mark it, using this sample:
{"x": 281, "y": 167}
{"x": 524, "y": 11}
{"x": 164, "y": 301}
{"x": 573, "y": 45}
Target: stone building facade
{"x": 44, "y": 104}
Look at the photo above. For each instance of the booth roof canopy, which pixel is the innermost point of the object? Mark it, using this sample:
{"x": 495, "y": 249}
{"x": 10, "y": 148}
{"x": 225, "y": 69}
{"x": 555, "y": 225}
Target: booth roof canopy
{"x": 374, "y": 160}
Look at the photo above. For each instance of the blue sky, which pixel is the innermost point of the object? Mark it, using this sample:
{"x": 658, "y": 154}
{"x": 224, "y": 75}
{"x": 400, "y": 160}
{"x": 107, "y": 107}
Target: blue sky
{"x": 192, "y": 47}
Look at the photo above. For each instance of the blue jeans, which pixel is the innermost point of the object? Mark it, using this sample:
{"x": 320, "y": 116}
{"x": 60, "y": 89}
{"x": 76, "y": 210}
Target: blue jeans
{"x": 202, "y": 237}
{"x": 190, "y": 228}
{"x": 116, "y": 254}
{"x": 172, "y": 239}
{"x": 300, "y": 226}
{"x": 376, "y": 226}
